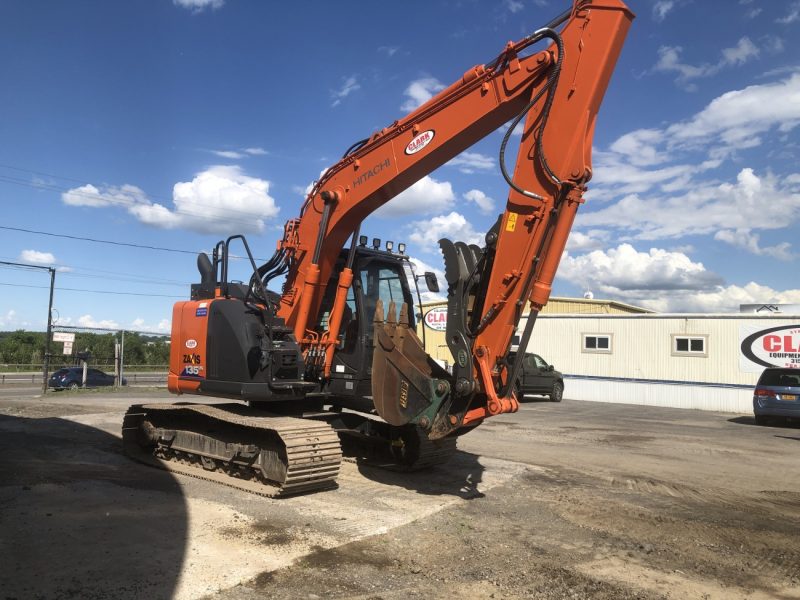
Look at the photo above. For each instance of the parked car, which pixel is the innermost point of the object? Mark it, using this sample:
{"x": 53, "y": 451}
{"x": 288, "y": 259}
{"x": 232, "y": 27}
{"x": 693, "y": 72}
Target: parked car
{"x": 71, "y": 378}
{"x": 538, "y": 378}
{"x": 777, "y": 394}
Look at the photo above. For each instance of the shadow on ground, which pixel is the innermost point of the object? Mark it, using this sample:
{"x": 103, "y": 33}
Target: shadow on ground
{"x": 460, "y": 476}
{"x": 775, "y": 422}
{"x": 80, "y": 520}
{"x": 532, "y": 399}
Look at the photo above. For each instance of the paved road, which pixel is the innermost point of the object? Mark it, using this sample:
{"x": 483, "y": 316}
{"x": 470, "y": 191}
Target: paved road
{"x": 576, "y": 500}
{"x": 20, "y": 391}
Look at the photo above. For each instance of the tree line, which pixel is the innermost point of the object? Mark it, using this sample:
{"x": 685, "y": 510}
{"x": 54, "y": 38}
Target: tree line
{"x": 27, "y": 347}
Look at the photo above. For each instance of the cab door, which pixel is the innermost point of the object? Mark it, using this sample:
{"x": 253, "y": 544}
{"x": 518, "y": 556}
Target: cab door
{"x": 374, "y": 277}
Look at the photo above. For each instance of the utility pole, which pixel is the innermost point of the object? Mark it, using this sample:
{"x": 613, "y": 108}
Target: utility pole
{"x": 46, "y": 368}
{"x": 52, "y": 271}
{"x": 121, "y": 356}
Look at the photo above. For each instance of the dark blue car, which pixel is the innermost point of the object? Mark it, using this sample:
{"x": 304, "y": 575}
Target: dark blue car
{"x": 777, "y": 394}
{"x": 72, "y": 377}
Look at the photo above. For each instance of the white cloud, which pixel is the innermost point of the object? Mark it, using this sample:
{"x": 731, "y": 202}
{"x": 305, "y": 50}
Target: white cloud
{"x": 221, "y": 200}
{"x": 89, "y": 195}
{"x": 664, "y": 188}
{"x": 34, "y": 257}
{"x": 740, "y": 116}
{"x": 662, "y": 8}
{"x": 228, "y": 154}
{"x": 517, "y": 130}
{"x": 513, "y": 5}
{"x": 389, "y": 50}
{"x": 581, "y": 242}
{"x": 669, "y": 61}
{"x": 9, "y": 319}
{"x": 139, "y": 324}
{"x": 239, "y": 154}
{"x": 197, "y": 6}
{"x": 704, "y": 209}
{"x": 454, "y": 226}
{"x": 623, "y": 270}
{"x": 662, "y": 280}
{"x": 640, "y": 147}
{"x": 469, "y": 162}
{"x": 742, "y": 52}
{"x": 349, "y": 85}
{"x": 426, "y": 196}
{"x": 792, "y": 16}
{"x": 485, "y": 203}
{"x": 90, "y": 321}
{"x": 420, "y": 91}
{"x": 746, "y": 239}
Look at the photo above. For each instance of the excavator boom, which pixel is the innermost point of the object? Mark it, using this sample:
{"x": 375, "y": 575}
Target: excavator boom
{"x": 557, "y": 91}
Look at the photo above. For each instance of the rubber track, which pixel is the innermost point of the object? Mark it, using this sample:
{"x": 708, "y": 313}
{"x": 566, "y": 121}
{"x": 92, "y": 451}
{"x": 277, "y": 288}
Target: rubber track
{"x": 312, "y": 447}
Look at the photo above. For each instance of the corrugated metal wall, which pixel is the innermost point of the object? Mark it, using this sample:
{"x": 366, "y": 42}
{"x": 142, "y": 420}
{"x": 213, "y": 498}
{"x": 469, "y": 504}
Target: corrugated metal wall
{"x": 642, "y": 346}
{"x": 719, "y": 399}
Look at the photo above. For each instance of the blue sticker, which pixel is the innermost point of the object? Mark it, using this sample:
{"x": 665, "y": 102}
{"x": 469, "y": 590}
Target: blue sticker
{"x": 201, "y": 312}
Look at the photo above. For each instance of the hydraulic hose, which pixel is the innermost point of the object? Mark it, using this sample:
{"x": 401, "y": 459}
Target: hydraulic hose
{"x": 549, "y": 87}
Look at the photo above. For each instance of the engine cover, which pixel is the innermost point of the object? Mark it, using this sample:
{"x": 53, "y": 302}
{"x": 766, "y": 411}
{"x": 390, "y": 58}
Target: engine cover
{"x": 222, "y": 347}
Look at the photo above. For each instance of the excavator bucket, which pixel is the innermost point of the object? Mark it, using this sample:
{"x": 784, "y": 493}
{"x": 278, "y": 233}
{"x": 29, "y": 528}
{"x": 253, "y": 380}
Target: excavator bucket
{"x": 408, "y": 386}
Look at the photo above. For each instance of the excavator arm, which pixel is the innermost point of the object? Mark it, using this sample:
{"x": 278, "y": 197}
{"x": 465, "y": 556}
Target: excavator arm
{"x": 556, "y": 92}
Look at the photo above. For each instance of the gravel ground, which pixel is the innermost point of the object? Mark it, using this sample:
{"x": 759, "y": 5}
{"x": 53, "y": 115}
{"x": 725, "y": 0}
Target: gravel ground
{"x": 570, "y": 500}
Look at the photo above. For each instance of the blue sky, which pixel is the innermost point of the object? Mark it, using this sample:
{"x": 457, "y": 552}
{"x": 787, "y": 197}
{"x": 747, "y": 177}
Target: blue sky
{"x": 175, "y": 123}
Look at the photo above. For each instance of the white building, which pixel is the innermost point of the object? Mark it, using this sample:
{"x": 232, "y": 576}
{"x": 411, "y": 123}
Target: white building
{"x": 699, "y": 361}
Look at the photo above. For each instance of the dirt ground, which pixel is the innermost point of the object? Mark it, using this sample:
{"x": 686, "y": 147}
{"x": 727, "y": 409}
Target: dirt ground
{"x": 569, "y": 500}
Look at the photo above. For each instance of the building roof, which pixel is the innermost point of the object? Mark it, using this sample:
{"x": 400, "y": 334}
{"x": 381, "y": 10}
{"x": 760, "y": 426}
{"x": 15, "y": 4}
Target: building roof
{"x": 564, "y": 305}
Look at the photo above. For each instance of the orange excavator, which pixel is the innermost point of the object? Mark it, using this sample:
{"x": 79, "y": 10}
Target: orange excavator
{"x": 333, "y": 363}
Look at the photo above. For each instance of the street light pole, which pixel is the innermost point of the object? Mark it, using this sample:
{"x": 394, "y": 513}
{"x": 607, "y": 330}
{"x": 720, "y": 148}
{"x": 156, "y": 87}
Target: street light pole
{"x": 52, "y": 271}
{"x": 46, "y": 368}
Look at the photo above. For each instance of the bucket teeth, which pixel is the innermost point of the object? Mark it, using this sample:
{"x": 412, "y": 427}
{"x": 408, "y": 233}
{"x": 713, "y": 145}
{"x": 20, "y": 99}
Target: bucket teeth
{"x": 378, "y": 318}
{"x": 402, "y": 319}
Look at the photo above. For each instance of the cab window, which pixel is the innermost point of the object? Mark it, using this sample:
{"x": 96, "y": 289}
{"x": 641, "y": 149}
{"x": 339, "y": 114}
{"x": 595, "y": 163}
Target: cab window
{"x": 385, "y": 282}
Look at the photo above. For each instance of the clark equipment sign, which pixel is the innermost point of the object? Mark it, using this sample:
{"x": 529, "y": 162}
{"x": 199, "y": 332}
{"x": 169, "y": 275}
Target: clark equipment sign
{"x": 771, "y": 347}
{"x": 436, "y": 318}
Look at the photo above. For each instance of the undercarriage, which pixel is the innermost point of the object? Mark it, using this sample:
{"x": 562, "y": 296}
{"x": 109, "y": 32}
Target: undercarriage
{"x": 271, "y": 454}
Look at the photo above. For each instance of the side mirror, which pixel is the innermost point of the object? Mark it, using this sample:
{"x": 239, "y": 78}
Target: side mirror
{"x": 431, "y": 282}
{"x": 551, "y": 368}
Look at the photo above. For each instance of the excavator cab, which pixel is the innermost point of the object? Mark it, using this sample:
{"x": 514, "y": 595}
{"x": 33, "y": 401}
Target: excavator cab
{"x": 380, "y": 278}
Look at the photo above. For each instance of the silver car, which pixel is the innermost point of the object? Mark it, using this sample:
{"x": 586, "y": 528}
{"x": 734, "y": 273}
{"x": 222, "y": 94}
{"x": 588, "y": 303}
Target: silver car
{"x": 777, "y": 394}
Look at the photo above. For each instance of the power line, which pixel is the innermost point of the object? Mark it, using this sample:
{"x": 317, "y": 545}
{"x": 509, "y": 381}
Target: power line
{"x": 76, "y": 271}
{"x": 134, "y": 279}
{"x": 63, "y": 289}
{"x": 97, "y": 241}
{"x": 111, "y": 242}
